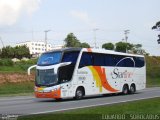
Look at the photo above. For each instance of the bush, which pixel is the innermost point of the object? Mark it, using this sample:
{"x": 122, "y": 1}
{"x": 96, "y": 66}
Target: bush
{"x": 28, "y": 62}
{"x": 1, "y": 62}
{"x": 6, "y": 62}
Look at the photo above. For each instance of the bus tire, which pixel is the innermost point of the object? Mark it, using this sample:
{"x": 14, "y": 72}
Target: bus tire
{"x": 79, "y": 93}
{"x": 132, "y": 88}
{"x": 125, "y": 89}
{"x": 58, "y": 99}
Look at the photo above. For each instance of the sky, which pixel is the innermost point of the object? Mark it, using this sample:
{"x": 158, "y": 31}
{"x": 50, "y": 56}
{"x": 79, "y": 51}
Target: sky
{"x": 26, "y": 20}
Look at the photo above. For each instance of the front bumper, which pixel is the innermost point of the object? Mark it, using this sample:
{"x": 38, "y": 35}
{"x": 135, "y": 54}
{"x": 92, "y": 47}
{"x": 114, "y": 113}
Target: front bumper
{"x": 53, "y": 94}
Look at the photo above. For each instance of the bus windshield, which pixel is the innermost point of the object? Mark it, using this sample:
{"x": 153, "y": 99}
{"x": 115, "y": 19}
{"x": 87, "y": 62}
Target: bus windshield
{"x": 49, "y": 58}
{"x": 50, "y": 77}
{"x": 46, "y": 77}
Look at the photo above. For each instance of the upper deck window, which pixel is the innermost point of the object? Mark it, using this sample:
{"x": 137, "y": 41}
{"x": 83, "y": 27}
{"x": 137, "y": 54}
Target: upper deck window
{"x": 49, "y": 58}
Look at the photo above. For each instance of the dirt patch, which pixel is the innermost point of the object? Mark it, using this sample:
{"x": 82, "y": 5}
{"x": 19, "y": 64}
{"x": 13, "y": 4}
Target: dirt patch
{"x": 16, "y": 77}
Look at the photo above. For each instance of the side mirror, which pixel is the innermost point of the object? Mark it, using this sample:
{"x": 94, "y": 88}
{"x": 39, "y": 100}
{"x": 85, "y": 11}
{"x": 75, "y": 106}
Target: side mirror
{"x": 29, "y": 69}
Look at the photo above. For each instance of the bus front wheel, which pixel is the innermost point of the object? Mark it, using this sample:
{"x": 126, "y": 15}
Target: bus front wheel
{"x": 79, "y": 93}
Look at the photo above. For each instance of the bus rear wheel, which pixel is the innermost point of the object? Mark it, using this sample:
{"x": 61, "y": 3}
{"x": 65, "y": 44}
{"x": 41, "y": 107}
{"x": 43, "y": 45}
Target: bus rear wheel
{"x": 58, "y": 99}
{"x": 79, "y": 93}
{"x": 125, "y": 90}
{"x": 132, "y": 89}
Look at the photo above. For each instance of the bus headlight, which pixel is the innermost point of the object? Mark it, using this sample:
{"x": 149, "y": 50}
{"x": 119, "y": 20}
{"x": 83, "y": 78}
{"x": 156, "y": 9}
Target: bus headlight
{"x": 55, "y": 89}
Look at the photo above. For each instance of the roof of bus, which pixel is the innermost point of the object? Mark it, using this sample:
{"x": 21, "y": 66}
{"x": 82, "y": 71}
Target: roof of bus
{"x": 111, "y": 52}
{"x": 94, "y": 51}
{"x": 65, "y": 49}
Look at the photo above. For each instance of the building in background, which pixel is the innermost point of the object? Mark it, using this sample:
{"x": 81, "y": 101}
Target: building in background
{"x": 54, "y": 47}
{"x": 36, "y": 48}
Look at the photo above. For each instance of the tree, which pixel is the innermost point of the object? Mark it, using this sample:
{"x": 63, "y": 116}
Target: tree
{"x": 21, "y": 51}
{"x": 85, "y": 45}
{"x": 124, "y": 47}
{"x": 108, "y": 46}
{"x": 121, "y": 47}
{"x": 7, "y": 52}
{"x": 156, "y": 26}
{"x": 15, "y": 52}
{"x": 137, "y": 49}
{"x": 0, "y": 53}
{"x": 72, "y": 41}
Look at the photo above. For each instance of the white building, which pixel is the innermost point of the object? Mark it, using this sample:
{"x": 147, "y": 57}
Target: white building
{"x": 36, "y": 47}
{"x": 57, "y": 47}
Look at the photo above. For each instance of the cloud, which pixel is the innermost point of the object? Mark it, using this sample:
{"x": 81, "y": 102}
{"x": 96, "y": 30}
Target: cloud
{"x": 11, "y": 10}
{"x": 83, "y": 16}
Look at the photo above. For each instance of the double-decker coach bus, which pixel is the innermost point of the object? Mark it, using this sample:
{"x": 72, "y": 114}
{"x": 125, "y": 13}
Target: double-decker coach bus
{"x": 79, "y": 72}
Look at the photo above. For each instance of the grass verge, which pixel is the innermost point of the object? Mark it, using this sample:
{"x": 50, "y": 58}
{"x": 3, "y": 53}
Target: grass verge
{"x": 142, "y": 108}
{"x": 153, "y": 82}
{"x": 16, "y": 88}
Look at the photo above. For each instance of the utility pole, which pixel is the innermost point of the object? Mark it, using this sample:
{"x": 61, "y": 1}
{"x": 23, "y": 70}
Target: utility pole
{"x": 46, "y": 31}
{"x": 95, "y": 39}
{"x": 126, "y": 32}
{"x": 2, "y": 41}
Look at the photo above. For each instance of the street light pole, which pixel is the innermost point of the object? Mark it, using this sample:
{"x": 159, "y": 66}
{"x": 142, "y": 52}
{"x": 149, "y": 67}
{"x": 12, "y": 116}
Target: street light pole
{"x": 95, "y": 39}
{"x": 46, "y": 31}
{"x": 126, "y": 32}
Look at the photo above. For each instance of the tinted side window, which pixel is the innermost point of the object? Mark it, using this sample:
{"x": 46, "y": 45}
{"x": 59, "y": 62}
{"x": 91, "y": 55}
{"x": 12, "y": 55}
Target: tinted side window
{"x": 67, "y": 57}
{"x": 119, "y": 61}
{"x": 86, "y": 60}
{"x": 129, "y": 62}
{"x": 109, "y": 60}
{"x": 125, "y": 62}
{"x": 70, "y": 57}
{"x": 139, "y": 61}
{"x": 98, "y": 59}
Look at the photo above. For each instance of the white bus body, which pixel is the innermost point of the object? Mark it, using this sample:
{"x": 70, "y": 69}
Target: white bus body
{"x": 74, "y": 72}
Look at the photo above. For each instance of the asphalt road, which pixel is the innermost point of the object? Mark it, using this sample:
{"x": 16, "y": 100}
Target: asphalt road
{"x": 25, "y": 105}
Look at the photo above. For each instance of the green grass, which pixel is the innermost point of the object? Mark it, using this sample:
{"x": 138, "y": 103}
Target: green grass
{"x": 142, "y": 107}
{"x": 15, "y": 68}
{"x": 153, "y": 82}
{"x": 153, "y": 71}
{"x": 16, "y": 88}
{"x": 20, "y": 66}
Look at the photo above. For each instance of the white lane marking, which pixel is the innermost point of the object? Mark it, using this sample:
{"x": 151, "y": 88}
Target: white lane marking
{"x": 90, "y": 106}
